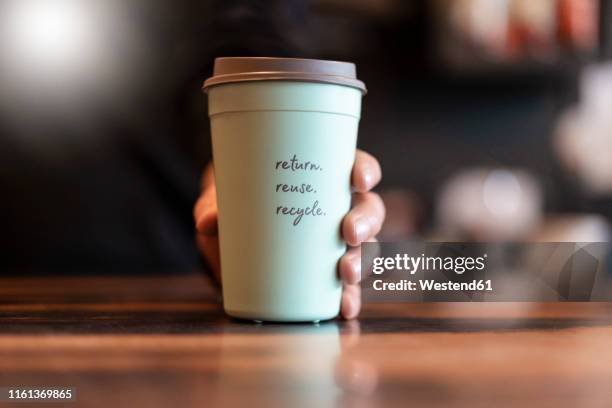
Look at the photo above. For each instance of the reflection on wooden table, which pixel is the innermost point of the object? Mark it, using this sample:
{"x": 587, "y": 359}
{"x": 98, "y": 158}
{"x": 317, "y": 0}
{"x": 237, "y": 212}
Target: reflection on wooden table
{"x": 164, "y": 341}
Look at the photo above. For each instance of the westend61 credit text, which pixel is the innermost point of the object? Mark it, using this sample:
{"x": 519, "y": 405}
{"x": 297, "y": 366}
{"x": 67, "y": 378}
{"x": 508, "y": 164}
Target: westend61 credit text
{"x": 412, "y": 264}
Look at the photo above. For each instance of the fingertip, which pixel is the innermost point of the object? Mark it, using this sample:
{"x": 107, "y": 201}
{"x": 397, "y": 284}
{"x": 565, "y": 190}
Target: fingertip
{"x": 347, "y": 308}
{"x": 351, "y": 302}
{"x": 356, "y": 229}
{"x": 366, "y": 173}
{"x": 350, "y": 268}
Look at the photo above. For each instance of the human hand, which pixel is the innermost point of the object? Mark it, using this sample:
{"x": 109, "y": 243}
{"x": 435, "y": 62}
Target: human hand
{"x": 361, "y": 224}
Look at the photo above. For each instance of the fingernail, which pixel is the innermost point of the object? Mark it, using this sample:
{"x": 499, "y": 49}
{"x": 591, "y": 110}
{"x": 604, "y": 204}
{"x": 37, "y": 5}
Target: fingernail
{"x": 368, "y": 177}
{"x": 356, "y": 267}
{"x": 362, "y": 229}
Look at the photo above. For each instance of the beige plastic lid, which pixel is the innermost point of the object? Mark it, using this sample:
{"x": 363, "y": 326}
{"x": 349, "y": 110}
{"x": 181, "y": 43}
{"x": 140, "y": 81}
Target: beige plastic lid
{"x": 241, "y": 69}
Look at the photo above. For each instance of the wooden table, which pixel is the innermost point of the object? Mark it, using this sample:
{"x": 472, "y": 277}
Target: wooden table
{"x": 164, "y": 342}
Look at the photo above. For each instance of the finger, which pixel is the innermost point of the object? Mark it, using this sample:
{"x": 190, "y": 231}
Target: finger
{"x": 365, "y": 218}
{"x": 349, "y": 267}
{"x": 351, "y": 301}
{"x": 205, "y": 212}
{"x": 208, "y": 196}
{"x": 209, "y": 247}
{"x": 208, "y": 177}
{"x": 366, "y": 172}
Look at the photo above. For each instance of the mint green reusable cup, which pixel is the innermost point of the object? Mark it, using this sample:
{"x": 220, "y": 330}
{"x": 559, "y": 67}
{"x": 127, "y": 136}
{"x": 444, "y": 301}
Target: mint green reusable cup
{"x": 284, "y": 135}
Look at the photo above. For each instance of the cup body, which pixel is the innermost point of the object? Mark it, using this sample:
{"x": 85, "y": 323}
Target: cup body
{"x": 283, "y": 153}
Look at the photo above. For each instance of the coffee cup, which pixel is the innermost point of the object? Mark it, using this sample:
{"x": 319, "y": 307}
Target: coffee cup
{"x": 284, "y": 135}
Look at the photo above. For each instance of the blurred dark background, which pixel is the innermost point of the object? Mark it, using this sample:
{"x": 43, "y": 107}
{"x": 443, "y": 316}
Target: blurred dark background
{"x": 490, "y": 118}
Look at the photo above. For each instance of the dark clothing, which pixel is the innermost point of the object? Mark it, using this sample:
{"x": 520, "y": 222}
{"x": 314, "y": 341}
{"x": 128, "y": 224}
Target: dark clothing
{"x": 107, "y": 181}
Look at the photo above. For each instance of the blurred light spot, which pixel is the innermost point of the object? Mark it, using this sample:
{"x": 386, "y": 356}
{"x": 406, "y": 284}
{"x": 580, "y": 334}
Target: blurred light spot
{"x": 65, "y": 61}
{"x": 48, "y": 33}
{"x": 502, "y": 193}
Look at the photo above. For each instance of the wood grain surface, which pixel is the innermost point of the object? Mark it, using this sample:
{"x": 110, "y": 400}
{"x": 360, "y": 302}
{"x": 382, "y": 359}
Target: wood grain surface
{"x": 164, "y": 342}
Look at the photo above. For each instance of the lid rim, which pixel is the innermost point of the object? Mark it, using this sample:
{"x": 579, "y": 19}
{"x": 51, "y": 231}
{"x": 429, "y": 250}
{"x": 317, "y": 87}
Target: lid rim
{"x": 270, "y": 59}
{"x": 245, "y": 69}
